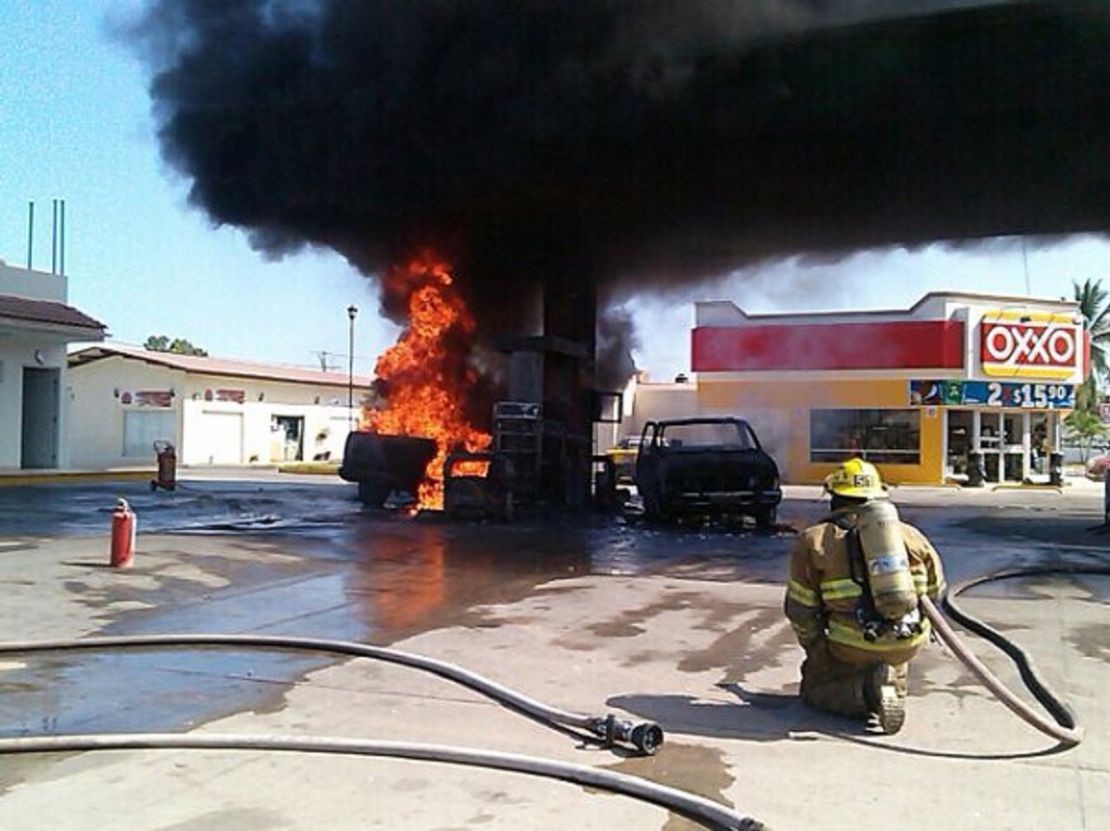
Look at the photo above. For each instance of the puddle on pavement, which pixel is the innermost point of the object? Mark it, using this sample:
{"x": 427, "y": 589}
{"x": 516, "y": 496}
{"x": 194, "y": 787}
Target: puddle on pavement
{"x": 415, "y": 576}
{"x": 149, "y": 690}
{"x": 627, "y": 624}
{"x": 66, "y": 509}
{"x": 1082, "y": 587}
{"x": 1092, "y": 640}
{"x": 743, "y": 648}
{"x": 1026, "y": 530}
{"x": 692, "y": 768}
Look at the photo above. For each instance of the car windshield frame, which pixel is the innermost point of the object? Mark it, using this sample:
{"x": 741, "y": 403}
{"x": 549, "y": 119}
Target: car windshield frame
{"x": 698, "y": 434}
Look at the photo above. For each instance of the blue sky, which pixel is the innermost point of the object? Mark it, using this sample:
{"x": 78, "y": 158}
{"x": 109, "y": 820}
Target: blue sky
{"x": 76, "y": 124}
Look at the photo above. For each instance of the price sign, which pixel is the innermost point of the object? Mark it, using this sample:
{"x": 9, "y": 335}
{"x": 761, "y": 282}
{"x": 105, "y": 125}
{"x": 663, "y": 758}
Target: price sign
{"x": 993, "y": 394}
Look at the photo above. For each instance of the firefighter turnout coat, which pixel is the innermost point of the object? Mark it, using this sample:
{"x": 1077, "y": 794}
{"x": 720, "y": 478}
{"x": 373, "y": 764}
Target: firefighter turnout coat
{"x": 823, "y": 593}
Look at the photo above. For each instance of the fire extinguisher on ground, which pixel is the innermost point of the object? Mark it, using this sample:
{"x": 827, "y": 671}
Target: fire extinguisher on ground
{"x": 124, "y": 524}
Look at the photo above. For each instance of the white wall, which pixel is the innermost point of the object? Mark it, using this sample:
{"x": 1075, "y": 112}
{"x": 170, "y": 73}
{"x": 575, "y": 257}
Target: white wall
{"x": 15, "y": 354}
{"x": 653, "y": 402}
{"x": 96, "y": 414}
{"x": 36, "y": 285}
{"x": 321, "y": 407}
{"x": 18, "y": 347}
{"x": 258, "y": 445}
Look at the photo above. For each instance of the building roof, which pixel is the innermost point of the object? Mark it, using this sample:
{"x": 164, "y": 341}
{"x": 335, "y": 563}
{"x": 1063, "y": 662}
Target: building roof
{"x": 205, "y": 365}
{"x": 48, "y": 312}
{"x": 1061, "y": 303}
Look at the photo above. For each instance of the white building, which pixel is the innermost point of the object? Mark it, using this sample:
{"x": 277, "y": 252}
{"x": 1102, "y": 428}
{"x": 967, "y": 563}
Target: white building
{"x": 35, "y": 327}
{"x": 213, "y": 411}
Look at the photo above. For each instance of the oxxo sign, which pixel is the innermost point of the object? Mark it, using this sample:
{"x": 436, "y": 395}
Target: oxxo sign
{"x": 1029, "y": 346}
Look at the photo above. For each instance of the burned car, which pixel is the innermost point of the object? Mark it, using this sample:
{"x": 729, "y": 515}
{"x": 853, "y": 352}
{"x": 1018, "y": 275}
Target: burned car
{"x": 384, "y": 465}
{"x": 703, "y": 466}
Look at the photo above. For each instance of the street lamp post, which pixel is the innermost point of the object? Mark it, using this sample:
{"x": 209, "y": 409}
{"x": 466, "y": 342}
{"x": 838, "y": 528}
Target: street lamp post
{"x": 351, "y": 312}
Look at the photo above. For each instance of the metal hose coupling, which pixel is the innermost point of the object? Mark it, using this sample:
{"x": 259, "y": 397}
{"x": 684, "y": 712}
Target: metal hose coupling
{"x": 645, "y": 736}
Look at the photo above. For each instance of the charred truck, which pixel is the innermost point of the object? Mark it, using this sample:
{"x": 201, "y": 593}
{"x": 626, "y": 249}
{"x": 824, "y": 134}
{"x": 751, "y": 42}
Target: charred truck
{"x": 706, "y": 466}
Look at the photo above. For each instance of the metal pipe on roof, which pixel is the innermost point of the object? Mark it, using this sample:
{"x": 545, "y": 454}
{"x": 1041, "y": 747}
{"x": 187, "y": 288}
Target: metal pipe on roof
{"x": 54, "y": 237}
{"x": 30, "y": 233}
{"x": 62, "y": 241}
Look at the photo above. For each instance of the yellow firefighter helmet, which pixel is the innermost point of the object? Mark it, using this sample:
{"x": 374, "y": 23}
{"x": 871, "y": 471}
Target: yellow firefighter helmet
{"x": 857, "y": 479}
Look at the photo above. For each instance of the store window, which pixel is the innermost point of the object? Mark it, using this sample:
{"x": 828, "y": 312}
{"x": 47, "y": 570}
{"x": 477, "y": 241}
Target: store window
{"x": 883, "y": 436}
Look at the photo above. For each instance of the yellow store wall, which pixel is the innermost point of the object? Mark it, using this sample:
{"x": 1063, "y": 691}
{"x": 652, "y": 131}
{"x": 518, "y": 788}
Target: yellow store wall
{"x": 781, "y": 408}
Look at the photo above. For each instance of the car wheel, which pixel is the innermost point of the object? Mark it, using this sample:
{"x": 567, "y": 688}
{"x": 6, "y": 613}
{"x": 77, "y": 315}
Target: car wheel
{"x": 372, "y": 494}
{"x": 653, "y": 510}
{"x": 765, "y": 518}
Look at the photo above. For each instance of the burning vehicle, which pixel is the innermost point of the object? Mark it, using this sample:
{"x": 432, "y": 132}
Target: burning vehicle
{"x": 712, "y": 466}
{"x": 383, "y": 466}
{"x": 424, "y": 380}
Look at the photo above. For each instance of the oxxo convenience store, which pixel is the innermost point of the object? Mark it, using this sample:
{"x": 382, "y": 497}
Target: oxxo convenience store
{"x": 958, "y": 381}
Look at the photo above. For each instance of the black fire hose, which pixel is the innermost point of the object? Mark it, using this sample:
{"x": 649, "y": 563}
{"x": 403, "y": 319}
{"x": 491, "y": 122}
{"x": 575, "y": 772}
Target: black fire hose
{"x": 646, "y": 737}
{"x": 1064, "y": 727}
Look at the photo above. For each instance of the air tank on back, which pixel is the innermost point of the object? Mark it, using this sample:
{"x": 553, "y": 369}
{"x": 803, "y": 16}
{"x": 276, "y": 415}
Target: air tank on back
{"x": 888, "y": 564}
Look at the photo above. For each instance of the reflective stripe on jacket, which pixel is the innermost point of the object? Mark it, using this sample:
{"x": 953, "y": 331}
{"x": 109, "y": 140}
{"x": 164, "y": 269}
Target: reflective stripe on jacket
{"x": 821, "y": 596}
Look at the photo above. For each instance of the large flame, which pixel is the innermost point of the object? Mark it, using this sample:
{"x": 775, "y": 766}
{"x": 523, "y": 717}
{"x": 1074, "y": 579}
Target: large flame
{"x": 425, "y": 376}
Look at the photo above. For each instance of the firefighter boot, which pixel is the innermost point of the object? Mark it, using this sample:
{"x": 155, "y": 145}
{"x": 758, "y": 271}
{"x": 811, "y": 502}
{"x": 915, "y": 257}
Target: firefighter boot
{"x": 885, "y": 702}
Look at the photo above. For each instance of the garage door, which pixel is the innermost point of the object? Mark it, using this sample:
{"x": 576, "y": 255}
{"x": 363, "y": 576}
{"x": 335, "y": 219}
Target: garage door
{"x": 141, "y": 428}
{"x": 222, "y": 438}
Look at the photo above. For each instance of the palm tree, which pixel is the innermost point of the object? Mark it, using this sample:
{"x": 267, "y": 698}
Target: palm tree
{"x": 1092, "y": 299}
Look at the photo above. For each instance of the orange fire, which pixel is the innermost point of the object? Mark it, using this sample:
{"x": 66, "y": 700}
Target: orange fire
{"x": 424, "y": 376}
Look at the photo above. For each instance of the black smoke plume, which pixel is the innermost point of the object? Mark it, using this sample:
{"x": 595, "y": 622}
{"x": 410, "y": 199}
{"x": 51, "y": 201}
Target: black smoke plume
{"x": 616, "y": 338}
{"x": 634, "y": 144}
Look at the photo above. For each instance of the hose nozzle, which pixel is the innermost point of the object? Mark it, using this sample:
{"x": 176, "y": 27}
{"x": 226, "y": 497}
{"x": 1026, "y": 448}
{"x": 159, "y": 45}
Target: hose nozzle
{"x": 645, "y": 736}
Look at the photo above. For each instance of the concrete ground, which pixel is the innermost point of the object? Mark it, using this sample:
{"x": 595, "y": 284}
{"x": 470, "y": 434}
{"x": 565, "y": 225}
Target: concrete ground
{"x": 679, "y": 625}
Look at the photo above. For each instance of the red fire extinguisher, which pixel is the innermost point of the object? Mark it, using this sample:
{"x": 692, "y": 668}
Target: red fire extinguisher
{"x": 123, "y": 535}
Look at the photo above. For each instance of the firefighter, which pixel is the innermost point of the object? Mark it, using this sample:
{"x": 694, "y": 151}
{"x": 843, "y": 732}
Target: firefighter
{"x": 852, "y": 597}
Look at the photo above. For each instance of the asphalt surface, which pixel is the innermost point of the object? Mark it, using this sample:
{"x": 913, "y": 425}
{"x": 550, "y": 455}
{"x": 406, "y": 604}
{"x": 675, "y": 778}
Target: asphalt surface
{"x": 678, "y": 624}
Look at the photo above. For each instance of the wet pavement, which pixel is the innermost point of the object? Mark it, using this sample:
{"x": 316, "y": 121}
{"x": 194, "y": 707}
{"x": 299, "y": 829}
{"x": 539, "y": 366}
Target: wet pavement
{"x": 67, "y": 509}
{"x": 684, "y": 619}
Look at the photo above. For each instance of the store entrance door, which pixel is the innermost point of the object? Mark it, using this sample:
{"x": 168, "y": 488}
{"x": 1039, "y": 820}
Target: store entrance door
{"x": 990, "y": 443}
{"x": 1004, "y": 441}
{"x": 1015, "y": 447}
{"x": 1043, "y": 427}
{"x": 287, "y": 442}
{"x": 958, "y": 442}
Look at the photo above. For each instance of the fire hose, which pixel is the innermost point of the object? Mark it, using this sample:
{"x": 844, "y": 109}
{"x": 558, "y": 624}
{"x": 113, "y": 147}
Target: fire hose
{"x": 1063, "y": 726}
{"x": 645, "y": 737}
{"x": 703, "y": 811}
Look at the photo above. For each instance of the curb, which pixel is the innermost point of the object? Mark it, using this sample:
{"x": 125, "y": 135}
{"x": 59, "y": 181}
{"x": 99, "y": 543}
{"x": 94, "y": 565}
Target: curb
{"x": 18, "y": 479}
{"x": 310, "y": 468}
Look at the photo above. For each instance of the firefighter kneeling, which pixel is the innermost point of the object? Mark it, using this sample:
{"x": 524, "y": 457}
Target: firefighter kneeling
{"x": 853, "y": 599}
